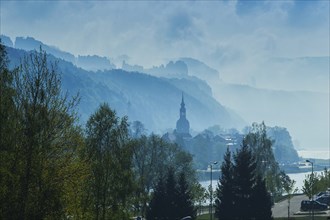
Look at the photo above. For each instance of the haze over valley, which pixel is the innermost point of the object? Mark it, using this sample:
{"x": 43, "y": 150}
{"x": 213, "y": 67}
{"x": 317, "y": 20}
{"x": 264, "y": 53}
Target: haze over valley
{"x": 164, "y": 109}
{"x": 235, "y": 63}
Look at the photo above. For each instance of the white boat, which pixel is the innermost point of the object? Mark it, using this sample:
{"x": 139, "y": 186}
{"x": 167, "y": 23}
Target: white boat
{"x": 304, "y": 165}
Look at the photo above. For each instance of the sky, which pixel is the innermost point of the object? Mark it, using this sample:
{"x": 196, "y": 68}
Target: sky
{"x": 236, "y": 37}
{"x": 152, "y": 32}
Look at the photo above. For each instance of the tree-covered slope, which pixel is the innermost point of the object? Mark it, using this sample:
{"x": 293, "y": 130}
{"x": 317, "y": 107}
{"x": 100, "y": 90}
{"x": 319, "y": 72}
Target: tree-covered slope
{"x": 153, "y": 101}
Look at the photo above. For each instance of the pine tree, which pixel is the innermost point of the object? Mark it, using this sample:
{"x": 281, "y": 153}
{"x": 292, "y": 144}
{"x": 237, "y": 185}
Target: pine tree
{"x": 241, "y": 192}
{"x": 261, "y": 201}
{"x": 184, "y": 199}
{"x": 172, "y": 199}
{"x": 244, "y": 180}
{"x": 171, "y": 206}
{"x": 224, "y": 204}
{"x": 163, "y": 204}
{"x": 158, "y": 202}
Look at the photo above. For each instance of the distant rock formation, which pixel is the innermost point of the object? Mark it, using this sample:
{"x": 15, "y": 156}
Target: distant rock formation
{"x": 6, "y": 41}
{"x": 94, "y": 63}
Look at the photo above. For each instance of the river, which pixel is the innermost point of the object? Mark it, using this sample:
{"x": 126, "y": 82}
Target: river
{"x": 298, "y": 177}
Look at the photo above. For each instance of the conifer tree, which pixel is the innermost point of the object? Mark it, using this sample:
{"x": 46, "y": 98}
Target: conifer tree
{"x": 241, "y": 191}
{"x": 261, "y": 201}
{"x": 184, "y": 199}
{"x": 172, "y": 199}
{"x": 158, "y": 202}
{"x": 224, "y": 204}
{"x": 171, "y": 206}
{"x": 163, "y": 203}
{"x": 244, "y": 180}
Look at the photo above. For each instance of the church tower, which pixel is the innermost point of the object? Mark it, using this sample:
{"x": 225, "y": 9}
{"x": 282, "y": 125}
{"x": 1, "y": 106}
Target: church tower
{"x": 182, "y": 125}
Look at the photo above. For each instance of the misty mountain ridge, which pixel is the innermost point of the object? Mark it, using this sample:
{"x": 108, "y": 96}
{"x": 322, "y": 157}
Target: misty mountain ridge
{"x": 179, "y": 68}
{"x": 89, "y": 62}
{"x": 311, "y": 72}
{"x": 182, "y": 67}
{"x": 153, "y": 101}
{"x": 274, "y": 97}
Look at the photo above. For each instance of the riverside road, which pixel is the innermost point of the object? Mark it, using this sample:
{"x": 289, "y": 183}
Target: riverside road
{"x": 280, "y": 209}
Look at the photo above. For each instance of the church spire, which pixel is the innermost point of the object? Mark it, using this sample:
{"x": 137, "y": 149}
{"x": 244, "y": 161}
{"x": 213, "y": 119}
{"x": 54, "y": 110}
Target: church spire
{"x": 183, "y": 108}
{"x": 182, "y": 125}
{"x": 182, "y": 104}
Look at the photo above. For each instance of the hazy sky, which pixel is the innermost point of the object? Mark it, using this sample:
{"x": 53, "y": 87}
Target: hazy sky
{"x": 151, "y": 32}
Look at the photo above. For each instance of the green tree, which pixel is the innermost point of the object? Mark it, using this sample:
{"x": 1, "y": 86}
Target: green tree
{"x": 241, "y": 191}
{"x": 47, "y": 118}
{"x": 290, "y": 190}
{"x": 319, "y": 182}
{"x": 9, "y": 129}
{"x": 307, "y": 187}
{"x": 185, "y": 201}
{"x": 40, "y": 150}
{"x": 244, "y": 180}
{"x": 322, "y": 182}
{"x": 143, "y": 168}
{"x": 156, "y": 208}
{"x": 261, "y": 201}
{"x": 163, "y": 203}
{"x": 172, "y": 199}
{"x": 149, "y": 168}
{"x": 108, "y": 151}
{"x": 314, "y": 183}
{"x": 199, "y": 195}
{"x": 261, "y": 146}
{"x": 171, "y": 207}
{"x": 224, "y": 205}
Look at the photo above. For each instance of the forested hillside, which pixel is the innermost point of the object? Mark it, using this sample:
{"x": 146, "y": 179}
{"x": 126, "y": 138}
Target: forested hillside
{"x": 149, "y": 99}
